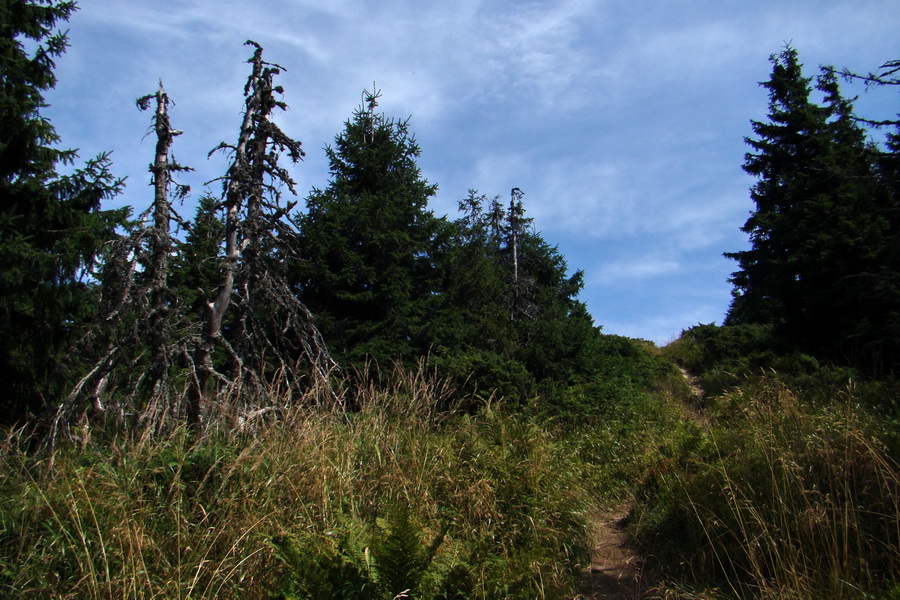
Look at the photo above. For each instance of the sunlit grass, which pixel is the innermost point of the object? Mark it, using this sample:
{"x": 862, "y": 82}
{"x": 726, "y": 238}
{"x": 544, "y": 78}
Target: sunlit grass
{"x": 180, "y": 515}
{"x": 778, "y": 499}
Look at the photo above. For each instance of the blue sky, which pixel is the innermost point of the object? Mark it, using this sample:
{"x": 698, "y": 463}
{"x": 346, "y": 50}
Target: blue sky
{"x": 622, "y": 120}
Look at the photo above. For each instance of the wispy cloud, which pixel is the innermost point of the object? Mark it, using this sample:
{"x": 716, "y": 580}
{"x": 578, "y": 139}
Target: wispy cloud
{"x": 623, "y": 122}
{"x": 634, "y": 268}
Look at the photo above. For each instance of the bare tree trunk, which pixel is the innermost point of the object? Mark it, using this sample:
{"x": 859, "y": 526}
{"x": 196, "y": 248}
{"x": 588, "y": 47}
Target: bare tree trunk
{"x": 160, "y": 240}
{"x": 136, "y": 314}
{"x": 515, "y": 222}
{"x": 244, "y": 207}
{"x": 215, "y": 310}
{"x": 141, "y": 319}
{"x": 250, "y": 285}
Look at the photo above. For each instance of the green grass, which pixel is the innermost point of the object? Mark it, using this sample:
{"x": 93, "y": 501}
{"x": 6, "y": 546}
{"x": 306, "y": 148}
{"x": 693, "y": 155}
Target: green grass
{"x": 780, "y": 487}
{"x": 219, "y": 515}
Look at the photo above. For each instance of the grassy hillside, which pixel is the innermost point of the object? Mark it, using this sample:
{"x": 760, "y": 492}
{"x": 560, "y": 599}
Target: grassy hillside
{"x": 416, "y": 488}
{"x": 790, "y": 487}
{"x": 771, "y": 489}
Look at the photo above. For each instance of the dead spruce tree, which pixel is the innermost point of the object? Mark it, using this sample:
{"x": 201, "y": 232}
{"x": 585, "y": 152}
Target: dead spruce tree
{"x": 164, "y": 345}
{"x": 133, "y": 336}
{"x": 521, "y": 286}
{"x": 268, "y": 325}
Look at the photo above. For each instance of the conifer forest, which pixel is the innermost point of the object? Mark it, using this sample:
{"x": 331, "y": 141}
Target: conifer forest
{"x": 348, "y": 396}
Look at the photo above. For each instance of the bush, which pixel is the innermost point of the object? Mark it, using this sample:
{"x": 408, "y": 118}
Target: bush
{"x": 704, "y": 348}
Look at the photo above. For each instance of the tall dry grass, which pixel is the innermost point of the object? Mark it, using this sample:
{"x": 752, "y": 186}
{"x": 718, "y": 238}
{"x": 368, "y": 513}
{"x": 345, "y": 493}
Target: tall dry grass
{"x": 779, "y": 499}
{"x": 177, "y": 514}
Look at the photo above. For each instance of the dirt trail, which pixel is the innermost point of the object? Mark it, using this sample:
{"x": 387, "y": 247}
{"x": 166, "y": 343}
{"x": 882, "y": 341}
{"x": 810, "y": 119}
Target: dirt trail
{"x": 615, "y": 569}
{"x": 693, "y": 383}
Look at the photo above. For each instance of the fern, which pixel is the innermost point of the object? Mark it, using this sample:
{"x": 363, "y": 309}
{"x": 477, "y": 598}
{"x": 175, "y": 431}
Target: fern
{"x": 320, "y": 570}
{"x": 401, "y": 559}
{"x": 457, "y": 584}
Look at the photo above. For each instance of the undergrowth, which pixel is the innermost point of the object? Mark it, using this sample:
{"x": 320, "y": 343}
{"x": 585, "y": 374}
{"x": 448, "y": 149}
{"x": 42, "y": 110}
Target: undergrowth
{"x": 780, "y": 486}
{"x": 778, "y": 496}
{"x": 402, "y": 495}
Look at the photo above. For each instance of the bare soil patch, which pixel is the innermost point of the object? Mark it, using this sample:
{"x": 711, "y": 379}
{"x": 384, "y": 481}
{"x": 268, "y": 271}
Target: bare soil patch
{"x": 615, "y": 570}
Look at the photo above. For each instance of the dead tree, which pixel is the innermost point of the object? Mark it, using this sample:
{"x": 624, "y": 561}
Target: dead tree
{"x": 144, "y": 334}
{"x": 522, "y": 287}
{"x": 160, "y": 238}
{"x": 254, "y": 221}
{"x": 516, "y": 212}
{"x": 133, "y": 332}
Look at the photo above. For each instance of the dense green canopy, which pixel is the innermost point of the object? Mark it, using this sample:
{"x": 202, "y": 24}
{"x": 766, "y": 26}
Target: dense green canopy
{"x": 51, "y": 225}
{"x": 822, "y": 264}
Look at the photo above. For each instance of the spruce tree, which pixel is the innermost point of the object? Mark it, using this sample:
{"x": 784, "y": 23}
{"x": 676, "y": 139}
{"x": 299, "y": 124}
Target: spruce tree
{"x": 508, "y": 308}
{"x": 51, "y": 225}
{"x": 879, "y": 333}
{"x": 474, "y": 281}
{"x": 365, "y": 267}
{"x": 819, "y": 226}
{"x": 195, "y": 264}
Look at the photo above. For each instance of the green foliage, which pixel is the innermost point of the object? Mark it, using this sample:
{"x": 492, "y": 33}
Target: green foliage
{"x": 721, "y": 356}
{"x": 514, "y": 326}
{"x": 391, "y": 565}
{"x": 196, "y": 266}
{"x": 364, "y": 265}
{"x": 326, "y": 568}
{"x": 724, "y": 358}
{"x": 485, "y": 373}
{"x": 485, "y": 296}
{"x": 400, "y": 558}
{"x": 617, "y": 422}
{"x": 398, "y": 494}
{"x": 820, "y": 269}
{"x": 619, "y": 375}
{"x": 703, "y": 348}
{"x": 51, "y": 226}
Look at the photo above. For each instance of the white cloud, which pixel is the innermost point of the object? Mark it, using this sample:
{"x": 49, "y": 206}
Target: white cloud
{"x": 621, "y": 121}
{"x": 633, "y": 268}
{"x": 536, "y": 48}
